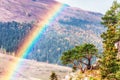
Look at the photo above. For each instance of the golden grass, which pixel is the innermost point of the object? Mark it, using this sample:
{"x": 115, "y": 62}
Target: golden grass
{"x": 89, "y": 74}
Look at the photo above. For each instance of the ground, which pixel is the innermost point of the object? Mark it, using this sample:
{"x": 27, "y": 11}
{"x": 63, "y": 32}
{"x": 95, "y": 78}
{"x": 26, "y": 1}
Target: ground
{"x": 31, "y": 70}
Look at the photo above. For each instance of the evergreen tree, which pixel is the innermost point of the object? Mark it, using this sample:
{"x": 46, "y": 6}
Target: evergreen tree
{"x": 79, "y": 56}
{"x": 109, "y": 64}
{"x": 53, "y": 76}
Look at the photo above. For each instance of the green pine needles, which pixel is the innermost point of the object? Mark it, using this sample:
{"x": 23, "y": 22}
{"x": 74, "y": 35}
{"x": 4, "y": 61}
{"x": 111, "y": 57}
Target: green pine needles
{"x": 109, "y": 66}
{"x": 80, "y": 57}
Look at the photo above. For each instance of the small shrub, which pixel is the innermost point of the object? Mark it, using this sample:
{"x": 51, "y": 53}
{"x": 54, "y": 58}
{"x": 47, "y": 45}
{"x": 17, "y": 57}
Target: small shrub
{"x": 53, "y": 76}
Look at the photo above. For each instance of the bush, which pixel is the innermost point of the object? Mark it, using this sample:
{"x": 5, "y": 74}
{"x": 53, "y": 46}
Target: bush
{"x": 53, "y": 76}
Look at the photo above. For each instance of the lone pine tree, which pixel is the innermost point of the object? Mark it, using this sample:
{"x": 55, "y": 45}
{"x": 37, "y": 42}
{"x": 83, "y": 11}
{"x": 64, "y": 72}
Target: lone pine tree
{"x": 79, "y": 56}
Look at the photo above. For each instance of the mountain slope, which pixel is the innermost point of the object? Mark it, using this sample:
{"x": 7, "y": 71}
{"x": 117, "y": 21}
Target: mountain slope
{"x": 28, "y": 71}
{"x": 24, "y": 10}
{"x": 72, "y": 27}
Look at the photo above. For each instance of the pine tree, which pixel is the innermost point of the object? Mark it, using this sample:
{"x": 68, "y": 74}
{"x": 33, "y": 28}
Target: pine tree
{"x": 53, "y": 76}
{"x": 109, "y": 64}
{"x": 79, "y": 56}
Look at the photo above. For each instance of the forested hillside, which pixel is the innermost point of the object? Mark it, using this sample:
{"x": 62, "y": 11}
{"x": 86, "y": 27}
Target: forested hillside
{"x": 12, "y": 33}
{"x": 73, "y": 26}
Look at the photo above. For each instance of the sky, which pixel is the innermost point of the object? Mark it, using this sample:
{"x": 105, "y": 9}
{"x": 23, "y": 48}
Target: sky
{"x": 91, "y": 5}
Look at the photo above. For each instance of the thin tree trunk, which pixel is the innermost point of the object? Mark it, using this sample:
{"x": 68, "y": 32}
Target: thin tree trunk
{"x": 89, "y": 64}
{"x": 81, "y": 68}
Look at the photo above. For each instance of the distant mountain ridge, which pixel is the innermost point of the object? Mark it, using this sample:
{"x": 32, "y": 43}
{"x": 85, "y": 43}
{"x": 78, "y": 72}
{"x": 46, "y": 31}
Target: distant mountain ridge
{"x": 72, "y": 27}
{"x": 30, "y": 10}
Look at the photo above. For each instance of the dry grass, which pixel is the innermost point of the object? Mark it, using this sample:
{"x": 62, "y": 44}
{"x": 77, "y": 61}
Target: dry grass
{"x": 90, "y": 75}
{"x": 31, "y": 70}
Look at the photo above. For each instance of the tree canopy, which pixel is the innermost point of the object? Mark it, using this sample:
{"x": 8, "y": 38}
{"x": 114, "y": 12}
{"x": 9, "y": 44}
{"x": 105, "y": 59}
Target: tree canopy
{"x": 80, "y": 56}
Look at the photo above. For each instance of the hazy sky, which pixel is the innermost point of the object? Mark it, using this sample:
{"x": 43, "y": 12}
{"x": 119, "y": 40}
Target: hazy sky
{"x": 92, "y": 5}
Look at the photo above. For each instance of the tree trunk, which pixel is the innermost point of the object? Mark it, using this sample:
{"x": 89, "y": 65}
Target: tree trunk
{"x": 89, "y": 64}
{"x": 82, "y": 70}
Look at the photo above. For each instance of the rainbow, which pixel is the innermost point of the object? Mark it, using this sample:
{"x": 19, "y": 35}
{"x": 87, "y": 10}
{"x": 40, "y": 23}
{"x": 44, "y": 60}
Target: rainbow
{"x": 32, "y": 38}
